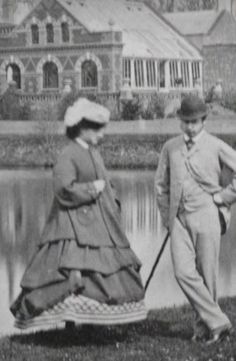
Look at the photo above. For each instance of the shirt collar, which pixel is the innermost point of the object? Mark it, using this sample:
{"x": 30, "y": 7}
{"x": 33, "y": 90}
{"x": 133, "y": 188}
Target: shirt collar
{"x": 82, "y": 143}
{"x": 194, "y": 139}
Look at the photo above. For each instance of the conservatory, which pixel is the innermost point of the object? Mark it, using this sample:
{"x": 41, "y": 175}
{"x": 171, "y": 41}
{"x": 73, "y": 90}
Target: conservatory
{"x": 96, "y": 46}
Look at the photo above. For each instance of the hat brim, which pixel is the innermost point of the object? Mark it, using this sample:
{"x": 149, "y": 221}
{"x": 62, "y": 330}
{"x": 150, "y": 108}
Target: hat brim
{"x": 192, "y": 116}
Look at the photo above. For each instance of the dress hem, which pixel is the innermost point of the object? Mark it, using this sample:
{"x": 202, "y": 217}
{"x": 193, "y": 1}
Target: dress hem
{"x": 82, "y": 310}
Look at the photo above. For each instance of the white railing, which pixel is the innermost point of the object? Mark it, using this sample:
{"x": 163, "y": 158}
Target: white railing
{"x": 46, "y": 97}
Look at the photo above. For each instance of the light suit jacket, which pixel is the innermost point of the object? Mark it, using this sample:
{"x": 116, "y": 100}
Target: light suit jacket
{"x": 205, "y": 161}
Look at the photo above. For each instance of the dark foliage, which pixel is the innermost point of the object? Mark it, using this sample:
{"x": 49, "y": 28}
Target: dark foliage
{"x": 69, "y": 99}
{"x": 130, "y": 109}
{"x": 10, "y": 107}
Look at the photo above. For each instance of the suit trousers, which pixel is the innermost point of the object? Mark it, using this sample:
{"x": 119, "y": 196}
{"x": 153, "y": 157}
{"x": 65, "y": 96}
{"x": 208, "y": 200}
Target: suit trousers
{"x": 195, "y": 246}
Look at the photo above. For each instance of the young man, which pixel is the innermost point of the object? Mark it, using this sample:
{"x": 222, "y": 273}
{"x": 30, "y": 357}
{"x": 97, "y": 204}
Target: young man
{"x": 195, "y": 207}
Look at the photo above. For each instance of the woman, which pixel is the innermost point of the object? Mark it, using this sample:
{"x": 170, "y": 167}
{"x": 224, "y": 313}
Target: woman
{"x": 84, "y": 270}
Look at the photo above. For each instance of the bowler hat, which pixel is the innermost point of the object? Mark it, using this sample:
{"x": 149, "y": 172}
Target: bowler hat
{"x": 84, "y": 108}
{"x": 192, "y": 107}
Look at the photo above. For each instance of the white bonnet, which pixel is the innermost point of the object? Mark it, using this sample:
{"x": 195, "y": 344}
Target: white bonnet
{"x": 84, "y": 108}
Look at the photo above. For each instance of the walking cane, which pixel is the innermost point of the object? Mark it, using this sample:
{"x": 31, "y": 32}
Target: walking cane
{"x": 157, "y": 260}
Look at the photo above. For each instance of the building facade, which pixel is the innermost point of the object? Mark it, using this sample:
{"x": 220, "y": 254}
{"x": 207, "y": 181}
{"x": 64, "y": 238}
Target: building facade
{"x": 95, "y": 46}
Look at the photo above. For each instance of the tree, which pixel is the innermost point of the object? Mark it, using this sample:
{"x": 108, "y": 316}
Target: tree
{"x": 209, "y": 4}
{"x": 170, "y": 5}
{"x": 182, "y": 5}
{"x": 193, "y": 5}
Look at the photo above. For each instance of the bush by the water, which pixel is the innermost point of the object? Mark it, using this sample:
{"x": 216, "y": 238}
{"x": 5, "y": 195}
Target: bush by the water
{"x": 127, "y": 151}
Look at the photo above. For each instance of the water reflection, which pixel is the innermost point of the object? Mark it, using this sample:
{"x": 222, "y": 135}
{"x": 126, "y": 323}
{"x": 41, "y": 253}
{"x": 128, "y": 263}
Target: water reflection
{"x": 26, "y": 196}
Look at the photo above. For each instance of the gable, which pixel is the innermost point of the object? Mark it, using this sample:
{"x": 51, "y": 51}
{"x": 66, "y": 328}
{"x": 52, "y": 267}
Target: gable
{"x": 145, "y": 33}
{"x": 49, "y": 8}
{"x": 223, "y": 32}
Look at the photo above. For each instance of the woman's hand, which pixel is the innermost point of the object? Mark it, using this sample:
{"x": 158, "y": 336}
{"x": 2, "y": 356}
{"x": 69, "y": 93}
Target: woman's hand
{"x": 99, "y": 185}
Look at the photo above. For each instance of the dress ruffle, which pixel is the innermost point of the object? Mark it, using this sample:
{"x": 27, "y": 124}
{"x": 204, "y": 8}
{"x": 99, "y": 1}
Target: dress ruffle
{"x": 107, "y": 275}
{"x": 55, "y": 259}
{"x": 82, "y": 310}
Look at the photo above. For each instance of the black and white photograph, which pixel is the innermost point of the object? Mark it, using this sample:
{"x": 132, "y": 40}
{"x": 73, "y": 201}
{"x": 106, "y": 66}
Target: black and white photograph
{"x": 118, "y": 180}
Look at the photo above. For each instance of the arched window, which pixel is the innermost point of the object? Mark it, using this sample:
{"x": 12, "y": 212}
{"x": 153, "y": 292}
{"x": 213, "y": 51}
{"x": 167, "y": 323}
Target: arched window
{"x": 50, "y": 33}
{"x": 89, "y": 74}
{"x": 13, "y": 73}
{"x": 50, "y": 75}
{"x": 35, "y": 33}
{"x": 65, "y": 33}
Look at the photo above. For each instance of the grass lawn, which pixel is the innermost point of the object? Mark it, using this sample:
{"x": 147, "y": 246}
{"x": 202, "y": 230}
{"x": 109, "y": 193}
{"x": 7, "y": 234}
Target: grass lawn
{"x": 164, "y": 336}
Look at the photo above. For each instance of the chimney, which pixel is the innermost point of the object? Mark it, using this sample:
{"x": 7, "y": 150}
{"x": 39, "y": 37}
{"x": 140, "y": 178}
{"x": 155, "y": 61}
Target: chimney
{"x": 225, "y": 5}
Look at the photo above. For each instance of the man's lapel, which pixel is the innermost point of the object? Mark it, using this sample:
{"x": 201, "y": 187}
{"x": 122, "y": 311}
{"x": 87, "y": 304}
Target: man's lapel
{"x": 180, "y": 155}
{"x": 198, "y": 145}
{"x": 183, "y": 147}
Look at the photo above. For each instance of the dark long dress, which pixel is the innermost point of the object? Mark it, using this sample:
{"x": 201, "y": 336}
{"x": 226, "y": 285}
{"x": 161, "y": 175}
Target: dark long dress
{"x": 84, "y": 269}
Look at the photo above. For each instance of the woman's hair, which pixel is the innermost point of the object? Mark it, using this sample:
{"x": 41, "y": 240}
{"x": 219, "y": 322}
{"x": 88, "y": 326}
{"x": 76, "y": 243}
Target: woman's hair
{"x": 74, "y": 131}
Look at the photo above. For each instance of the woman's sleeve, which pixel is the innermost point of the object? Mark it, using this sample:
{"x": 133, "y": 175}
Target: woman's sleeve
{"x": 68, "y": 191}
{"x": 162, "y": 186}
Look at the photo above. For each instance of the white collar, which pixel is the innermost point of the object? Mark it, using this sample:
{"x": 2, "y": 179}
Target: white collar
{"x": 82, "y": 143}
{"x": 194, "y": 139}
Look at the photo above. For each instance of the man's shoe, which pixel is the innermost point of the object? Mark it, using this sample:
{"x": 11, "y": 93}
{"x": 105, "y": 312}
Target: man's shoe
{"x": 219, "y": 334}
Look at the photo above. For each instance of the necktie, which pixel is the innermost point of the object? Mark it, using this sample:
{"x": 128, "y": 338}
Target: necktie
{"x": 189, "y": 143}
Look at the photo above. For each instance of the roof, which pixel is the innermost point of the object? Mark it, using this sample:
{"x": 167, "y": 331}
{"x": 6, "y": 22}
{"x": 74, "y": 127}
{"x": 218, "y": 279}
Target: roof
{"x": 224, "y": 32}
{"x": 218, "y": 27}
{"x": 145, "y": 34}
{"x": 193, "y": 22}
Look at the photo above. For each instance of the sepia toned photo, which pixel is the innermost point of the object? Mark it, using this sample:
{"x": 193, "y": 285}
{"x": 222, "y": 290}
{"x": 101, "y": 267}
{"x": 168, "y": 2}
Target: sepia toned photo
{"x": 118, "y": 180}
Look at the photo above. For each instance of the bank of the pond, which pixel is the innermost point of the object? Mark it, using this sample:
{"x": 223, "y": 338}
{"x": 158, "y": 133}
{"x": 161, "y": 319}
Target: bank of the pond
{"x": 120, "y": 151}
{"x": 164, "y": 336}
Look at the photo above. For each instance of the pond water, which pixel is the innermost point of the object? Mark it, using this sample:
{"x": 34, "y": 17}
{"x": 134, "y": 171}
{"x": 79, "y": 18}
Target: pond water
{"x": 26, "y": 196}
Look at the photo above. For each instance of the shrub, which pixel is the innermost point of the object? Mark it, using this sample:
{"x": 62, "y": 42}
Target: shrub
{"x": 159, "y": 105}
{"x": 130, "y": 109}
{"x": 10, "y": 107}
{"x": 69, "y": 99}
{"x": 229, "y": 99}
{"x": 154, "y": 106}
{"x": 44, "y": 111}
{"x": 25, "y": 112}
